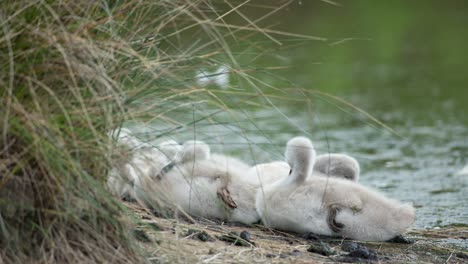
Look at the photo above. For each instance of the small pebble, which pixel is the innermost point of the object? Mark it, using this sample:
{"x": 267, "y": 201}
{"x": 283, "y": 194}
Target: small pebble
{"x": 295, "y": 252}
{"x": 320, "y": 248}
{"x": 199, "y": 235}
{"x": 310, "y": 236}
{"x": 203, "y": 236}
{"x": 235, "y": 238}
{"x": 358, "y": 251}
{"x": 363, "y": 253}
{"x": 349, "y": 246}
{"x": 245, "y": 235}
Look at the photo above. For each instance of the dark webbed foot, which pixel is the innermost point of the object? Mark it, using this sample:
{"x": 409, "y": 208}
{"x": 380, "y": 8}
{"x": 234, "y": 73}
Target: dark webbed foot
{"x": 331, "y": 221}
{"x": 224, "y": 194}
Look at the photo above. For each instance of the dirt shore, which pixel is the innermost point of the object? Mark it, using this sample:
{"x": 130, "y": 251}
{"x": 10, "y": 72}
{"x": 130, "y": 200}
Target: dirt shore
{"x": 204, "y": 241}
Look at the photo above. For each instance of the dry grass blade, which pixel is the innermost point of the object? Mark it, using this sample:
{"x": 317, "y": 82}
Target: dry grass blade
{"x": 357, "y": 109}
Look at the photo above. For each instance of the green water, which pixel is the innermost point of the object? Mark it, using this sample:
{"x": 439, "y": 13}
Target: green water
{"x": 404, "y": 62}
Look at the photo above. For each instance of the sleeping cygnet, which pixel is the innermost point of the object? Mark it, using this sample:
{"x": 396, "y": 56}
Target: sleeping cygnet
{"x": 143, "y": 160}
{"x": 194, "y": 154}
{"x": 202, "y": 184}
{"x": 304, "y": 202}
{"x": 119, "y": 182}
{"x": 152, "y": 186}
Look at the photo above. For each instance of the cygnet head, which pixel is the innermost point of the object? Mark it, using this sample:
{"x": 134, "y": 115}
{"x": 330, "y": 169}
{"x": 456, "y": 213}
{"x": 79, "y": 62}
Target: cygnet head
{"x": 193, "y": 150}
{"x": 300, "y": 155}
{"x": 170, "y": 148}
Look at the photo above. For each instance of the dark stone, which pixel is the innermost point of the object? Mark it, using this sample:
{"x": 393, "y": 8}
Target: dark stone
{"x": 295, "y": 252}
{"x": 358, "y": 251}
{"x": 128, "y": 198}
{"x": 363, "y": 253}
{"x": 203, "y": 236}
{"x": 349, "y": 246}
{"x": 347, "y": 259}
{"x": 461, "y": 255}
{"x": 310, "y": 236}
{"x": 235, "y": 239}
{"x": 141, "y": 236}
{"x": 245, "y": 235}
{"x": 320, "y": 248}
{"x": 236, "y": 224}
{"x": 401, "y": 239}
{"x": 199, "y": 235}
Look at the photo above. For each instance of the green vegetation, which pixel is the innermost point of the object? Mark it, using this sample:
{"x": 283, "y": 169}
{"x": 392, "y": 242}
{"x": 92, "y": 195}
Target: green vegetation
{"x": 70, "y": 72}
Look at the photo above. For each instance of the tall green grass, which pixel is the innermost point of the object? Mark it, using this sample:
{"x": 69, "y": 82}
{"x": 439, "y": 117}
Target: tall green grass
{"x": 70, "y": 72}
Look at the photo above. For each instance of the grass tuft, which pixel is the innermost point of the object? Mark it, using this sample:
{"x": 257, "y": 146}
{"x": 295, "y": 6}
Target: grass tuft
{"x": 70, "y": 72}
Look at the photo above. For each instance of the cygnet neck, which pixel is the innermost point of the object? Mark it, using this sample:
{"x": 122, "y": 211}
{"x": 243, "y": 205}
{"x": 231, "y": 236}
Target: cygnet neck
{"x": 300, "y": 155}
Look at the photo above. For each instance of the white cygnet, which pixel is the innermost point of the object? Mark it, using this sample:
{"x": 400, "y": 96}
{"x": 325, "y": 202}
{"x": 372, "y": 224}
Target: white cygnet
{"x": 207, "y": 185}
{"x": 119, "y": 181}
{"x": 305, "y": 202}
{"x": 123, "y": 177}
{"x": 152, "y": 164}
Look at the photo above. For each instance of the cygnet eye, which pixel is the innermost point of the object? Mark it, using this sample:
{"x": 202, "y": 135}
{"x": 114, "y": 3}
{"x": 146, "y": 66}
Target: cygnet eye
{"x": 290, "y": 171}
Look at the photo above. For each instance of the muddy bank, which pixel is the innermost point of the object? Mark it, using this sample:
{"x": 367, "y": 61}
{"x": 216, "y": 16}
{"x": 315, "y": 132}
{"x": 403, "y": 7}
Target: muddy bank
{"x": 205, "y": 241}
